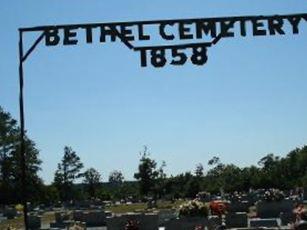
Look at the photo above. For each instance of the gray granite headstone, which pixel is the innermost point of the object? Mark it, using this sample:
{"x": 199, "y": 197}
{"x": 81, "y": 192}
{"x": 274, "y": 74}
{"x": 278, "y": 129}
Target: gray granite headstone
{"x": 273, "y": 209}
{"x": 34, "y": 222}
{"x": 287, "y": 218}
{"x": 93, "y": 218}
{"x": 148, "y": 221}
{"x": 186, "y": 223}
{"x": 10, "y": 213}
{"x": 166, "y": 215}
{"x": 236, "y": 220}
{"x": 256, "y": 223}
{"x": 238, "y": 206}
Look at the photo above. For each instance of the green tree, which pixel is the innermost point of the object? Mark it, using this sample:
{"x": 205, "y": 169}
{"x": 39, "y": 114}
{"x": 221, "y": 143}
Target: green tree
{"x": 116, "y": 180}
{"x": 193, "y": 187}
{"x": 50, "y": 195}
{"x": 116, "y": 177}
{"x": 92, "y": 181}
{"x": 160, "y": 182}
{"x": 179, "y": 186}
{"x": 270, "y": 171}
{"x": 199, "y": 171}
{"x": 214, "y": 161}
{"x": 67, "y": 172}
{"x": 10, "y": 168}
{"x": 147, "y": 173}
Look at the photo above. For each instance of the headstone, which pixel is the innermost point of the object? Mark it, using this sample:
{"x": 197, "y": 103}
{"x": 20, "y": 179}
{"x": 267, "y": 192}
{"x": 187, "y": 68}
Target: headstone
{"x": 305, "y": 194}
{"x": 90, "y": 218}
{"x": 34, "y": 222}
{"x": 148, "y": 221}
{"x": 2, "y": 218}
{"x": 236, "y": 220}
{"x": 287, "y": 218}
{"x": 166, "y": 215}
{"x": 58, "y": 205}
{"x": 273, "y": 209}
{"x": 85, "y": 204}
{"x": 9, "y": 213}
{"x": 186, "y": 223}
{"x": 63, "y": 225}
{"x": 108, "y": 213}
{"x": 214, "y": 222}
{"x": 62, "y": 220}
{"x": 62, "y": 216}
{"x": 249, "y": 198}
{"x": 238, "y": 206}
{"x": 204, "y": 196}
{"x": 264, "y": 223}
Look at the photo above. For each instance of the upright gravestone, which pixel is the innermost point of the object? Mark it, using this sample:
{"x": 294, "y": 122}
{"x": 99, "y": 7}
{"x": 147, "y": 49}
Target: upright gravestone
{"x": 148, "y": 221}
{"x": 2, "y": 218}
{"x": 263, "y": 223}
{"x": 287, "y": 218}
{"x": 214, "y": 222}
{"x": 305, "y": 194}
{"x": 166, "y": 215}
{"x": 34, "y": 222}
{"x": 272, "y": 209}
{"x": 236, "y": 220}
{"x": 9, "y": 212}
{"x": 238, "y": 206}
{"x": 62, "y": 220}
{"x": 93, "y": 218}
{"x": 185, "y": 223}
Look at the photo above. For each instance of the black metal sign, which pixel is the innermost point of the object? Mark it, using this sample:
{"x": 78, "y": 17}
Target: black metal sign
{"x": 181, "y": 36}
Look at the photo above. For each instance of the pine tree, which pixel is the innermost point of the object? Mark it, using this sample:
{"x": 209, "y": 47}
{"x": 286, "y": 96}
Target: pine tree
{"x": 10, "y": 169}
{"x": 68, "y": 171}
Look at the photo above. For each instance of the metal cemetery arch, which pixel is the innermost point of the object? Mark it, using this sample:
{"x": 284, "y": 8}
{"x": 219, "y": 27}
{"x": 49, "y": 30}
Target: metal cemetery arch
{"x": 216, "y": 28}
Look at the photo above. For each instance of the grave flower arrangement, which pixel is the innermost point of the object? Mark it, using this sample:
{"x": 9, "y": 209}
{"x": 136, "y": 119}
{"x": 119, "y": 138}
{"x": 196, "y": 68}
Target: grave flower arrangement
{"x": 273, "y": 195}
{"x": 218, "y": 207}
{"x": 193, "y": 208}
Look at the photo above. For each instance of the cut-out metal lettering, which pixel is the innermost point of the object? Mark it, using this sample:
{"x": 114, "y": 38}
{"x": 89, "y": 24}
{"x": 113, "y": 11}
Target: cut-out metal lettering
{"x": 179, "y": 34}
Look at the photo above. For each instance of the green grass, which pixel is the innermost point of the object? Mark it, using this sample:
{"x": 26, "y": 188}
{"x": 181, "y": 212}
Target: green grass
{"x": 122, "y": 208}
{"x": 16, "y": 223}
{"x": 142, "y": 207}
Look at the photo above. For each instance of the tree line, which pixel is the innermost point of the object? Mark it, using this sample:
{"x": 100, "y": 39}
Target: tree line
{"x": 150, "y": 179}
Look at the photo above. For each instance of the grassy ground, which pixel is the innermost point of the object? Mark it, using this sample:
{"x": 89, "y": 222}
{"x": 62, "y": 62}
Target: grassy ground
{"x": 127, "y": 208}
{"x": 141, "y": 207}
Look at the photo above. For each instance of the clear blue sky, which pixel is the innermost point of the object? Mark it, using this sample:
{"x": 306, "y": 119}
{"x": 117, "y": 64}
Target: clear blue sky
{"x": 249, "y": 100}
